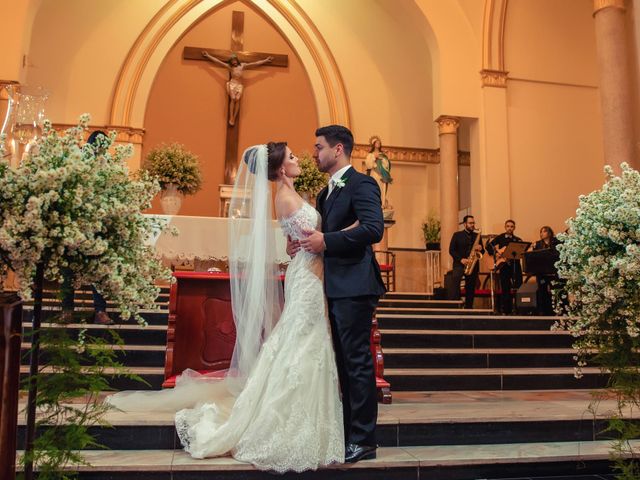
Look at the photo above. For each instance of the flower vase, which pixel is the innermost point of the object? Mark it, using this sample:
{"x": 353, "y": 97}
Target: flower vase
{"x": 170, "y": 199}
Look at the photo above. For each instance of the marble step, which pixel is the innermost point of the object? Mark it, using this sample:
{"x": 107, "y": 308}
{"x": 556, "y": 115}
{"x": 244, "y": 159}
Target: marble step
{"x": 154, "y": 356}
{"x": 131, "y": 333}
{"x": 85, "y": 313}
{"x": 129, "y": 355}
{"x": 417, "y": 419}
{"x": 417, "y": 321}
{"x": 407, "y": 296}
{"x": 527, "y": 461}
{"x": 151, "y": 376}
{"x": 416, "y": 303}
{"x": 413, "y": 338}
{"x": 478, "y": 357}
{"x": 53, "y": 294}
{"x": 443, "y": 379}
{"x": 431, "y": 311}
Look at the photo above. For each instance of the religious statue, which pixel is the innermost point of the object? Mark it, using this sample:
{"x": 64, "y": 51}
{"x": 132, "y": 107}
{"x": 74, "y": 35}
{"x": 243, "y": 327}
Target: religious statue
{"x": 378, "y": 165}
{"x": 234, "y": 85}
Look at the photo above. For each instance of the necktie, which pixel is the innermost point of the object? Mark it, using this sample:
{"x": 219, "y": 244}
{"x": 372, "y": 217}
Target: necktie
{"x": 332, "y": 185}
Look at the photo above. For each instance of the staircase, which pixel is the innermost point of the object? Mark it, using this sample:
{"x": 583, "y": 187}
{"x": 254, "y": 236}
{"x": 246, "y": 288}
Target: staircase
{"x": 475, "y": 395}
{"x": 431, "y": 346}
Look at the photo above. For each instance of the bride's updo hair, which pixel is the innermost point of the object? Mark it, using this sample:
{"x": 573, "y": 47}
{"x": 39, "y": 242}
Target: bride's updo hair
{"x": 276, "y": 152}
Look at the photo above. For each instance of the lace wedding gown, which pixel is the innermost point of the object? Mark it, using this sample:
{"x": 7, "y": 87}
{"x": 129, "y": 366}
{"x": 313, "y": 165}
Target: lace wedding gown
{"x": 289, "y": 415}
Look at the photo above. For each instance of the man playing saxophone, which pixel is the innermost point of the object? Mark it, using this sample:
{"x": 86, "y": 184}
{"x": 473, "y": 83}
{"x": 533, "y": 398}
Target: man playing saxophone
{"x": 466, "y": 249}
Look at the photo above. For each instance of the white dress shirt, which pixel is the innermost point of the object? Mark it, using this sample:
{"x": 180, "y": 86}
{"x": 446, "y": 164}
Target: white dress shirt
{"x": 335, "y": 177}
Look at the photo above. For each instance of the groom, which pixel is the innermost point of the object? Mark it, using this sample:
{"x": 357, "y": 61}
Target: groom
{"x": 351, "y": 222}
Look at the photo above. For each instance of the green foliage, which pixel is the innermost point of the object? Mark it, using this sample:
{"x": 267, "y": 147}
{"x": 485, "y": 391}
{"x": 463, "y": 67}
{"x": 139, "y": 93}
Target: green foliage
{"x": 173, "y": 164}
{"x": 311, "y": 180}
{"x": 76, "y": 369}
{"x": 431, "y": 228}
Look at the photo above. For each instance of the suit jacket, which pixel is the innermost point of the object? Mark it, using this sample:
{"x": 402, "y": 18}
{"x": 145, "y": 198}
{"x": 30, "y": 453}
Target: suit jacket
{"x": 350, "y": 267}
{"x": 460, "y": 246}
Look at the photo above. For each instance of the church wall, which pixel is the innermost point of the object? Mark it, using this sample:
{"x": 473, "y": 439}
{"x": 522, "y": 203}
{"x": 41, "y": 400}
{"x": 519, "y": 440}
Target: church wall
{"x": 188, "y": 101}
{"x": 77, "y": 49}
{"x": 382, "y": 50}
{"x": 553, "y": 111}
{"x": 386, "y": 65}
{"x": 633, "y": 30}
{"x": 15, "y": 36}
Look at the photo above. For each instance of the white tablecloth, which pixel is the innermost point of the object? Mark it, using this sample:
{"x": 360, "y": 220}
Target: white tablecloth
{"x": 204, "y": 238}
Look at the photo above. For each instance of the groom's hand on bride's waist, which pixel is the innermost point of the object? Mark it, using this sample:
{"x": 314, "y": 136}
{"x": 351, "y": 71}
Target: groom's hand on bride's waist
{"x": 314, "y": 242}
{"x": 293, "y": 246}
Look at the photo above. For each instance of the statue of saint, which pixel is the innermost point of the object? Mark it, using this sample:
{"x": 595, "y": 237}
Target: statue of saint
{"x": 234, "y": 85}
{"x": 378, "y": 165}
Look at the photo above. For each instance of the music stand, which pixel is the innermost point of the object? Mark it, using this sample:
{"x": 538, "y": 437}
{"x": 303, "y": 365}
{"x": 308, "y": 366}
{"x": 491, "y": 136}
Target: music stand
{"x": 515, "y": 251}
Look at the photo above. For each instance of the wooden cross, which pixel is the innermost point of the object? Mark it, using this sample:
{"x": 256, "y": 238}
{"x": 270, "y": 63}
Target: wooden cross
{"x": 224, "y": 57}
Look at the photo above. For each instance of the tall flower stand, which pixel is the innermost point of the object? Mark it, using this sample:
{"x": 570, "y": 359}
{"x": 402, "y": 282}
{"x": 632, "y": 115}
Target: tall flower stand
{"x": 10, "y": 338}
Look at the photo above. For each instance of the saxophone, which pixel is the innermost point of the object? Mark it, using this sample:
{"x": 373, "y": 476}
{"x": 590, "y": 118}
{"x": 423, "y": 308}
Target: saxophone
{"x": 474, "y": 256}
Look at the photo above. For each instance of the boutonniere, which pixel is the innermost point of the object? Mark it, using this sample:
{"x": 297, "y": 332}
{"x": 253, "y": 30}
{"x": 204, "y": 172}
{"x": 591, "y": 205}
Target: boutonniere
{"x": 341, "y": 182}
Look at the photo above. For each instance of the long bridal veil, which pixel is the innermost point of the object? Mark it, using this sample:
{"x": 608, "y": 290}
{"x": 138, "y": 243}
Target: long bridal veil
{"x": 256, "y": 290}
{"x": 256, "y": 297}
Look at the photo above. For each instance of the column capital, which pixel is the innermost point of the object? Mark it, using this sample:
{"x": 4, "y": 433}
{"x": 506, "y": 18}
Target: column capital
{"x": 494, "y": 78}
{"x": 447, "y": 124}
{"x": 602, "y": 4}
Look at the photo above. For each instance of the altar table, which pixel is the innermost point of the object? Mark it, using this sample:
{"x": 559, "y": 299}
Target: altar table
{"x": 204, "y": 238}
{"x": 201, "y": 332}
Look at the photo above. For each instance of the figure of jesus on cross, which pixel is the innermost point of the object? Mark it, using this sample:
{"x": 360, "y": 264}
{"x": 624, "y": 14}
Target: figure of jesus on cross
{"x": 234, "y": 85}
{"x": 235, "y": 60}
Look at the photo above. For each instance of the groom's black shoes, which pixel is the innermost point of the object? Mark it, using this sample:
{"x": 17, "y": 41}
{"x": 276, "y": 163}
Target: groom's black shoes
{"x": 355, "y": 453}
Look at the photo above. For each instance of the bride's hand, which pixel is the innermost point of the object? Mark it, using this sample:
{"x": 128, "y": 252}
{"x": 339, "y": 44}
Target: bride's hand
{"x": 353, "y": 225}
{"x": 293, "y": 246}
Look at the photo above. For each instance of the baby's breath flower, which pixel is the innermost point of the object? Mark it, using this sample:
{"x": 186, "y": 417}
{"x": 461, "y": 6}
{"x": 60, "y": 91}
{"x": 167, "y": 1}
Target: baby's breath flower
{"x": 75, "y": 208}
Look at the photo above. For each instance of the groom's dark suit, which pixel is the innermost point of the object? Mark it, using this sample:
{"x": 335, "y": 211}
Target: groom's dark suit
{"x": 353, "y": 286}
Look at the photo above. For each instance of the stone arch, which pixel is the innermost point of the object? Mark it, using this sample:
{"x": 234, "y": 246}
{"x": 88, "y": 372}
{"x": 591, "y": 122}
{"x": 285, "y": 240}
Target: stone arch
{"x": 136, "y": 76}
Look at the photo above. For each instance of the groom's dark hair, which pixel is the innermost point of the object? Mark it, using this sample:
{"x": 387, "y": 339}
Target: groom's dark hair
{"x": 335, "y": 134}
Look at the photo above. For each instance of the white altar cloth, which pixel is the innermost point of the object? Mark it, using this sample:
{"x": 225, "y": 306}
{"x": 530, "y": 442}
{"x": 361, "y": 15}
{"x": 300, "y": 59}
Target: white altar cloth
{"x": 204, "y": 238}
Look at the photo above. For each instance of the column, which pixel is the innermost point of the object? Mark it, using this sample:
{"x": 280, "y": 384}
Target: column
{"x": 615, "y": 81}
{"x": 448, "y": 132}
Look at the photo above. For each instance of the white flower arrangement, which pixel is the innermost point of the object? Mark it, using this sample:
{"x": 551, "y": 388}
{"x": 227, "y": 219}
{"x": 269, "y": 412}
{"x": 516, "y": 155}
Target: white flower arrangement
{"x": 73, "y": 207}
{"x": 600, "y": 267}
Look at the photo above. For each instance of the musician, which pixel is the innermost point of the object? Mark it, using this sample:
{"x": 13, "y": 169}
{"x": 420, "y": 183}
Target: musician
{"x": 548, "y": 241}
{"x": 460, "y": 249}
{"x": 510, "y": 271}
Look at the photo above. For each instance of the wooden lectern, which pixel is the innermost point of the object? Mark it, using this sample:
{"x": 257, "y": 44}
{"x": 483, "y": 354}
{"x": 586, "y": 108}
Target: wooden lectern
{"x": 201, "y": 332}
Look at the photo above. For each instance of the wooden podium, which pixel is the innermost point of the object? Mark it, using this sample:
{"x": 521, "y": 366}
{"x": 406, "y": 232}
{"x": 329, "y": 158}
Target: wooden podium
{"x": 201, "y": 332}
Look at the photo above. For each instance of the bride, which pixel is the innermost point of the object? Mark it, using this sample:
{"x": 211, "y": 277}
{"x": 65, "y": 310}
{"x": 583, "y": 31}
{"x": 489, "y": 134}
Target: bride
{"x": 278, "y": 407}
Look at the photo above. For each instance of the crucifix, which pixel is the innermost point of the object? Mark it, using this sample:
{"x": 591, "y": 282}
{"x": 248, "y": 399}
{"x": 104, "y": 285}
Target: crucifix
{"x": 234, "y": 60}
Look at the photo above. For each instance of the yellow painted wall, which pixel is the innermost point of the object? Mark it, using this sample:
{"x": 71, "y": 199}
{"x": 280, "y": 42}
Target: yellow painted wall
{"x": 77, "y": 50}
{"x": 188, "y": 101}
{"x": 16, "y": 23}
{"x": 404, "y": 62}
{"x": 385, "y": 61}
{"x": 554, "y": 131}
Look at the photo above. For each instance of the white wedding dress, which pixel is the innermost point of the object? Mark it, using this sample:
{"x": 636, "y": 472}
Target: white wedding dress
{"x": 288, "y": 416}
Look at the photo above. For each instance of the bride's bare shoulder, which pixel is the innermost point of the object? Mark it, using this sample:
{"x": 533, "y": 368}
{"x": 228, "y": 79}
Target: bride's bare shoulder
{"x": 287, "y": 203}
